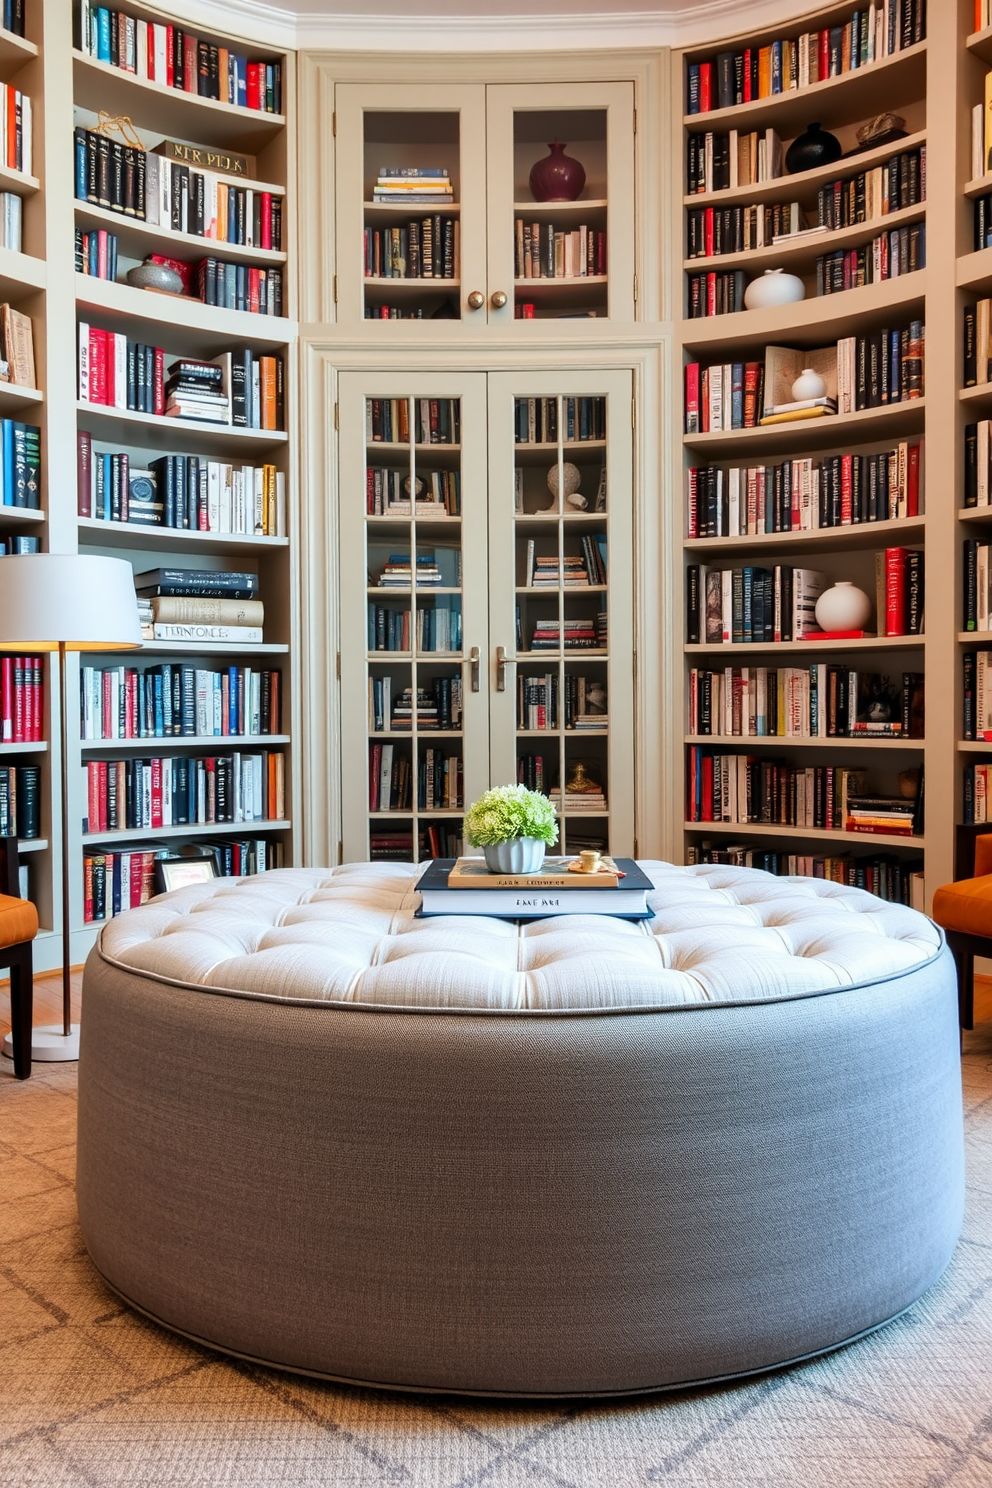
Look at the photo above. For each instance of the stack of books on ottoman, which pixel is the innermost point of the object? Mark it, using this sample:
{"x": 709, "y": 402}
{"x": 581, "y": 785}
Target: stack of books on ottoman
{"x": 465, "y": 886}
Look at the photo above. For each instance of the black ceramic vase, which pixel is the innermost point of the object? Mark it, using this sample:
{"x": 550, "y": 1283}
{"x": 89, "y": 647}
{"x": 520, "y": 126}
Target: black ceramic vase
{"x": 816, "y": 147}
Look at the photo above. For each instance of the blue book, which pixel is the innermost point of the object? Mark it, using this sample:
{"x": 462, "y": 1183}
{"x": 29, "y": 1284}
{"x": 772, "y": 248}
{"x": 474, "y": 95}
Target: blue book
{"x": 158, "y": 718}
{"x": 9, "y": 492}
{"x": 692, "y": 88}
{"x": 108, "y": 486}
{"x": 776, "y": 66}
{"x": 79, "y": 138}
{"x": 242, "y": 84}
{"x": 232, "y": 700}
{"x": 737, "y": 396}
{"x": 103, "y": 34}
{"x": 94, "y": 252}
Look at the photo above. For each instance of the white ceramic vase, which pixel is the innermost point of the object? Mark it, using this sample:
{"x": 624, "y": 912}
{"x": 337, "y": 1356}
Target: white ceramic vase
{"x": 844, "y": 607}
{"x": 519, "y": 855}
{"x": 808, "y": 384}
{"x": 775, "y": 287}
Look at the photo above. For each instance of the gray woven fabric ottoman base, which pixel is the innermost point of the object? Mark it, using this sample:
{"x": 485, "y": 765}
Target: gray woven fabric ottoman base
{"x": 574, "y": 1157}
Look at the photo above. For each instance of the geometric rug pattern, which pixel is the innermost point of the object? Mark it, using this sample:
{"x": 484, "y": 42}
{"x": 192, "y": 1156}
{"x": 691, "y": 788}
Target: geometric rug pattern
{"x": 94, "y": 1396}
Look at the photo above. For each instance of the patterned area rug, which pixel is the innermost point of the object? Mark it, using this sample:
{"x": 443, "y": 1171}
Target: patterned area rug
{"x": 94, "y": 1396}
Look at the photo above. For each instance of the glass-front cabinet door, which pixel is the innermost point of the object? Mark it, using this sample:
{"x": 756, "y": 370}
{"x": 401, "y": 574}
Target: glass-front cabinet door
{"x": 561, "y": 601}
{"x": 486, "y": 606}
{"x": 411, "y": 202}
{"x": 560, "y": 201}
{"x": 414, "y": 611}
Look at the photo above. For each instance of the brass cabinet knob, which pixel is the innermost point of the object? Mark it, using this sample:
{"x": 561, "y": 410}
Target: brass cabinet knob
{"x": 476, "y": 300}
{"x": 498, "y": 300}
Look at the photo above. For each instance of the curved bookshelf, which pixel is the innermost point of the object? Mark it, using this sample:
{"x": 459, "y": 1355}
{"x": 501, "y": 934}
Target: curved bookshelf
{"x": 841, "y": 314}
{"x": 801, "y": 256}
{"x": 807, "y": 183}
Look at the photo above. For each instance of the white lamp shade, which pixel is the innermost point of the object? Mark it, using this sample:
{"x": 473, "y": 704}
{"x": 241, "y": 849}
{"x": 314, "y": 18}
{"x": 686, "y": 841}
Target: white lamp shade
{"x": 84, "y": 601}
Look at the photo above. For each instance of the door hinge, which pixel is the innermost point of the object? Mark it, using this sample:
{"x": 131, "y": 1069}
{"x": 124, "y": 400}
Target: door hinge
{"x": 635, "y": 121}
{"x": 337, "y": 424}
{"x": 338, "y": 667}
{"x": 635, "y": 289}
{"x": 340, "y": 852}
{"x": 636, "y": 849}
{"x": 633, "y": 414}
{"x": 334, "y": 123}
{"x": 336, "y": 289}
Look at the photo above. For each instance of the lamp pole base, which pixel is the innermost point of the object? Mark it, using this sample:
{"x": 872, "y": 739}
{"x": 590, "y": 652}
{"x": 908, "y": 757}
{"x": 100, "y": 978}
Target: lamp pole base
{"x": 49, "y": 1044}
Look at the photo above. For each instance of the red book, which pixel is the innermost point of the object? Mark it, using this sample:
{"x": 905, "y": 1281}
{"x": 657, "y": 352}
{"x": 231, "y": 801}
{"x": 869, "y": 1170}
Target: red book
{"x": 711, "y": 294}
{"x": 707, "y": 794}
{"x": 895, "y": 591}
{"x": 39, "y": 699}
{"x": 265, "y": 219}
{"x": 191, "y": 65}
{"x": 170, "y": 71}
{"x": 752, "y": 373}
{"x": 705, "y": 87}
{"x": 527, "y": 311}
{"x": 692, "y": 408}
{"x": 747, "y": 75}
{"x": 823, "y": 67}
{"x": 978, "y": 16}
{"x": 913, "y": 481}
{"x": 254, "y": 290}
{"x": 98, "y": 365}
{"x": 156, "y": 792}
{"x": 158, "y": 381}
{"x": 834, "y": 635}
{"x": 7, "y": 699}
{"x": 846, "y": 489}
{"x": 92, "y": 784}
{"x": 19, "y": 735}
{"x": 84, "y": 457}
{"x": 131, "y": 706}
{"x": 255, "y": 87}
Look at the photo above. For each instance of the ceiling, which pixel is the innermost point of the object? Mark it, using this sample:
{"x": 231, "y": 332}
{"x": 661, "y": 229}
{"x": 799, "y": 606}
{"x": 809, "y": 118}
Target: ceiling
{"x": 458, "y": 25}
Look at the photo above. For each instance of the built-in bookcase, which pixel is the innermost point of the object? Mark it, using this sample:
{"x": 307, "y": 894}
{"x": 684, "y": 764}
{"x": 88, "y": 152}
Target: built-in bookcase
{"x": 69, "y": 89}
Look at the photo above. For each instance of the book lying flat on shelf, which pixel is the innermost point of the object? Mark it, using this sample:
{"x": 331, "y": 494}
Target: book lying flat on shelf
{"x": 627, "y": 899}
{"x": 554, "y": 873}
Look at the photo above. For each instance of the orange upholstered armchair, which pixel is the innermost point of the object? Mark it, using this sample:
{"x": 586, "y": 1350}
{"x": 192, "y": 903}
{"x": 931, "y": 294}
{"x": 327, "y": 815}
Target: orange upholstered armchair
{"x": 963, "y": 910}
{"x": 18, "y": 928}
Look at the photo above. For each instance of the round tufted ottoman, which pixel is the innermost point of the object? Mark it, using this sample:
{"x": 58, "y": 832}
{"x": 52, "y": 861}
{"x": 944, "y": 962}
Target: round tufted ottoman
{"x": 575, "y": 1156}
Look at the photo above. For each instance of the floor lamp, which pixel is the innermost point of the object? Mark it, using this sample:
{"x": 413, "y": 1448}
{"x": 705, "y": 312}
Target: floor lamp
{"x": 62, "y": 602}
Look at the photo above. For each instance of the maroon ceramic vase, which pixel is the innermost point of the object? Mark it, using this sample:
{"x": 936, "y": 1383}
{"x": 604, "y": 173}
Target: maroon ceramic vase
{"x": 558, "y": 177}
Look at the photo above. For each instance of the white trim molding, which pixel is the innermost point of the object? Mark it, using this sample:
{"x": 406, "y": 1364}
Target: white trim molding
{"x": 542, "y": 27}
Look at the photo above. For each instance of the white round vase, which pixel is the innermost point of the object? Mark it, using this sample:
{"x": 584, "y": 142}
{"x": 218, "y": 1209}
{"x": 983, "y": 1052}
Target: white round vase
{"x": 808, "y": 384}
{"x": 775, "y": 287}
{"x": 844, "y": 607}
{"x": 519, "y": 855}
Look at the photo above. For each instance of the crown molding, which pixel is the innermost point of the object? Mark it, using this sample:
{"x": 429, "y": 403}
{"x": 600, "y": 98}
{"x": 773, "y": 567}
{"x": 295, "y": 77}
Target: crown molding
{"x": 676, "y": 25}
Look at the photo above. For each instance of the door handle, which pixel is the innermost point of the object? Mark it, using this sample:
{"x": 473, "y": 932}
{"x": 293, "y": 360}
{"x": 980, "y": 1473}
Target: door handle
{"x": 498, "y": 300}
{"x": 501, "y": 665}
{"x": 473, "y": 661}
{"x": 476, "y": 300}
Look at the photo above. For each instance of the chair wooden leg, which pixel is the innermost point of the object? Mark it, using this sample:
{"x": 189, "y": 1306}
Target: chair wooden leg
{"x": 21, "y": 1008}
{"x": 964, "y": 961}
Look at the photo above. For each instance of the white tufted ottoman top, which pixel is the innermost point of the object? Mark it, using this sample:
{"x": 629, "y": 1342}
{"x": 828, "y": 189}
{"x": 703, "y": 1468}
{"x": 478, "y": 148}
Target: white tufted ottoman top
{"x": 348, "y": 935}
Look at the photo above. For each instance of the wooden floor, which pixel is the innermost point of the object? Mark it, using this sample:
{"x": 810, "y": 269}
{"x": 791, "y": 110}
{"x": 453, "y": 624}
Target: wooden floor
{"x": 48, "y": 999}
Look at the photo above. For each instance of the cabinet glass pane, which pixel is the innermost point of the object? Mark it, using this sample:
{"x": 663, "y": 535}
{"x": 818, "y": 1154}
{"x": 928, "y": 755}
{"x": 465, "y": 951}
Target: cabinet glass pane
{"x": 562, "y": 613}
{"x": 560, "y": 222}
{"x": 413, "y": 552}
{"x": 412, "y": 228}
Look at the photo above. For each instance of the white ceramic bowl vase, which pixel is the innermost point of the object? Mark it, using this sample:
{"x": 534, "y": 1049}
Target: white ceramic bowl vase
{"x": 844, "y": 607}
{"x": 808, "y": 384}
{"x": 775, "y": 287}
{"x": 519, "y": 855}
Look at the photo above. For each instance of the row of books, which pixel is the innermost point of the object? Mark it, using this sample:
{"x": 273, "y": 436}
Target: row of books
{"x": 821, "y": 701}
{"x": 976, "y": 790}
{"x": 437, "y": 705}
{"x": 580, "y": 633}
{"x": 178, "y": 701}
{"x": 400, "y": 312}
{"x": 186, "y": 492}
{"x": 125, "y": 878}
{"x": 440, "y": 567}
{"x": 396, "y": 846}
{"x": 20, "y": 801}
{"x": 860, "y": 372}
{"x": 542, "y": 251}
{"x": 201, "y": 605}
{"x": 428, "y": 420}
{"x": 159, "y": 52}
{"x": 22, "y": 699}
{"x": 578, "y": 803}
{"x": 18, "y": 544}
{"x": 580, "y": 703}
{"x": 874, "y": 31}
{"x": 536, "y": 420}
{"x": 978, "y": 463}
{"x": 233, "y": 286}
{"x": 439, "y": 779}
{"x": 20, "y": 465}
{"x": 532, "y": 772}
{"x": 725, "y": 161}
{"x": 433, "y": 627}
{"x": 12, "y": 16}
{"x": 977, "y": 342}
{"x": 746, "y": 789}
{"x": 569, "y": 570}
{"x": 404, "y": 185}
{"x": 152, "y": 188}
{"x": 240, "y": 388}
{"x": 751, "y": 604}
{"x": 897, "y": 880}
{"x": 889, "y": 256}
{"x": 425, "y": 249}
{"x": 976, "y": 696}
{"x": 983, "y": 222}
{"x": 713, "y": 231}
{"x": 716, "y": 293}
{"x": 805, "y": 494}
{"x": 900, "y": 183}
{"x": 96, "y": 253}
{"x": 387, "y": 492}
{"x": 183, "y": 790}
{"x": 16, "y": 149}
{"x": 977, "y": 585}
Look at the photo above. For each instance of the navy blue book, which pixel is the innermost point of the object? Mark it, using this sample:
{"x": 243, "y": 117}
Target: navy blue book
{"x": 551, "y": 891}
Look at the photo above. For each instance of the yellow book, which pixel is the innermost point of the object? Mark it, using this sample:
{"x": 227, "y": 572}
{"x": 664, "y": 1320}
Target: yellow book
{"x": 797, "y": 413}
{"x": 765, "y": 72}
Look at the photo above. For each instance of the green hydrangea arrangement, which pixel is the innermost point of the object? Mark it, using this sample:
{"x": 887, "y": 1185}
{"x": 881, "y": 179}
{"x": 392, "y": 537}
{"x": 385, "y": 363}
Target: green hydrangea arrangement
{"x": 509, "y": 811}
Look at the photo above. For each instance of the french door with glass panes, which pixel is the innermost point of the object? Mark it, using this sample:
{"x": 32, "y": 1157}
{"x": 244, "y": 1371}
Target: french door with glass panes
{"x": 486, "y": 603}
